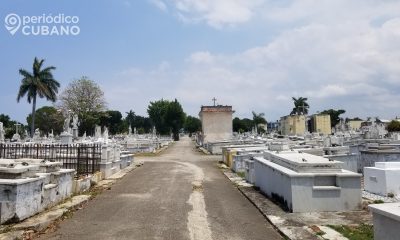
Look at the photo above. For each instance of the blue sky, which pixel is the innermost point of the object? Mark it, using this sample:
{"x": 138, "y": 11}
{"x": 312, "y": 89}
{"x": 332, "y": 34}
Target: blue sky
{"x": 253, "y": 54}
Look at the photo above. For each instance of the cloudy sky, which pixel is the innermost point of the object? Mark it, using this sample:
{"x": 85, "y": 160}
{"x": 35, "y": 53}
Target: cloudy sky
{"x": 251, "y": 54}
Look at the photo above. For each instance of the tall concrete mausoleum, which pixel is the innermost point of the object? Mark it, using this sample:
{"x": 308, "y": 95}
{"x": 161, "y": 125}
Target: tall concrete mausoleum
{"x": 216, "y": 123}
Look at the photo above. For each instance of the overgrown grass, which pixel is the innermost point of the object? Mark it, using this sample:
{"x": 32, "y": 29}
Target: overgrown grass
{"x": 360, "y": 232}
{"x": 378, "y": 201}
{"x": 241, "y": 174}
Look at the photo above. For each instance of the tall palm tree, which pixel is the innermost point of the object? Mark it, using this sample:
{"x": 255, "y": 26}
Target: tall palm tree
{"x": 130, "y": 118}
{"x": 300, "y": 106}
{"x": 258, "y": 118}
{"x": 38, "y": 83}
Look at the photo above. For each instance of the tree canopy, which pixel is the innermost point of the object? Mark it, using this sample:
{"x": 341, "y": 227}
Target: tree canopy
{"x": 167, "y": 116}
{"x": 393, "y": 126}
{"x": 47, "y": 119}
{"x": 334, "y": 115}
{"x": 9, "y": 126}
{"x": 85, "y": 98}
{"x": 242, "y": 125}
{"x": 192, "y": 124}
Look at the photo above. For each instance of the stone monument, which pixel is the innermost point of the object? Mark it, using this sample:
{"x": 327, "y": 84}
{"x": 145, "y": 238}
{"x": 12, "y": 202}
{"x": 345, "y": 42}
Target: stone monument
{"x": 75, "y": 126}
{"x": 97, "y": 132}
{"x": 129, "y": 130}
{"x": 16, "y": 137}
{"x": 105, "y": 134}
{"x": 36, "y": 135}
{"x": 66, "y": 136}
{"x": 1, "y": 133}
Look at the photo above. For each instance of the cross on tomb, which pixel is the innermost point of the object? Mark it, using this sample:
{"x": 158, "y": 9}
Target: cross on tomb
{"x": 214, "y": 100}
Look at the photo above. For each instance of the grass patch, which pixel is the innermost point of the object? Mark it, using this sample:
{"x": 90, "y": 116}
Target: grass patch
{"x": 378, "y": 201}
{"x": 241, "y": 174}
{"x": 360, "y": 232}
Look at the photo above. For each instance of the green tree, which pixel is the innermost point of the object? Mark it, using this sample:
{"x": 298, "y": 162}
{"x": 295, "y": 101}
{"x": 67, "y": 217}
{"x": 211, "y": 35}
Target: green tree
{"x": 157, "y": 112}
{"x": 130, "y": 118}
{"x": 334, "y": 115}
{"x": 300, "y": 106}
{"x": 85, "y": 98}
{"x": 47, "y": 119}
{"x": 9, "y": 126}
{"x": 38, "y": 83}
{"x": 242, "y": 125}
{"x": 167, "y": 116}
{"x": 192, "y": 125}
{"x": 258, "y": 120}
{"x": 112, "y": 120}
{"x": 175, "y": 118}
{"x": 393, "y": 126}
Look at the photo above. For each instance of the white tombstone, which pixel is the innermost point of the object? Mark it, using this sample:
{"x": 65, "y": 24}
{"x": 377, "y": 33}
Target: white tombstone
{"x": 383, "y": 179}
{"x": 105, "y": 134}
{"x": 51, "y": 134}
{"x": 1, "y": 132}
{"x": 97, "y": 132}
{"x": 75, "y": 126}
{"x": 36, "y": 135}
{"x": 129, "y": 130}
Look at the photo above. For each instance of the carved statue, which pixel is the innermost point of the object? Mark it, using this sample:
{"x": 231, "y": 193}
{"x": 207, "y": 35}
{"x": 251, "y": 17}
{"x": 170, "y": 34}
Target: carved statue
{"x": 67, "y": 122}
{"x": 105, "y": 134}
{"x": 75, "y": 122}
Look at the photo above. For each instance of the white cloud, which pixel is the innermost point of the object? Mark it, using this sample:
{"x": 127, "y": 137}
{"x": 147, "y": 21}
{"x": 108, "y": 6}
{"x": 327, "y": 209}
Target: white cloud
{"x": 339, "y": 54}
{"x": 159, "y": 4}
{"x": 216, "y": 13}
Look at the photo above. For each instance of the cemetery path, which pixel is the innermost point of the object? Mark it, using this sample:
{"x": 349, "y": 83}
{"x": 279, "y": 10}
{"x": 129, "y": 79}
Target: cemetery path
{"x": 180, "y": 194}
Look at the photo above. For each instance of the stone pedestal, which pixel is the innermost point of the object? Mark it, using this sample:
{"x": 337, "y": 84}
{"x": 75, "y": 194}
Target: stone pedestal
{"x": 66, "y": 138}
{"x": 75, "y": 132}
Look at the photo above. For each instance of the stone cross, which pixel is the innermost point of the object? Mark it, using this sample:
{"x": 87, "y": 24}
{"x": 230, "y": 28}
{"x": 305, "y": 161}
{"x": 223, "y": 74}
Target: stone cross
{"x": 214, "y": 100}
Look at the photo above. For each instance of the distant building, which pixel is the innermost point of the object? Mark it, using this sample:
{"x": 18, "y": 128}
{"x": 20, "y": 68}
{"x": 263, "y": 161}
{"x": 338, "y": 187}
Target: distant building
{"x": 273, "y": 126}
{"x": 321, "y": 123}
{"x": 216, "y": 123}
{"x": 293, "y": 125}
{"x": 354, "y": 125}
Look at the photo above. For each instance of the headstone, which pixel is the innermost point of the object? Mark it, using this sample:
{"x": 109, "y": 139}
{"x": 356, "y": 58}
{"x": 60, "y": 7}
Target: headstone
{"x": 67, "y": 122}
{"x": 105, "y": 134}
{"x": 16, "y": 137}
{"x": 97, "y": 132}
{"x": 75, "y": 126}
{"x": 1, "y": 132}
{"x": 51, "y": 134}
{"x": 129, "y": 130}
{"x": 36, "y": 135}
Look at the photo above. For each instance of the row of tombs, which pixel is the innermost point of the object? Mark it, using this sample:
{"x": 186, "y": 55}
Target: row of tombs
{"x": 29, "y": 186}
{"x": 303, "y": 182}
{"x": 299, "y": 178}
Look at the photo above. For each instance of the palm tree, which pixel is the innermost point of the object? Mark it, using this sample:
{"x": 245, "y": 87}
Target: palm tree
{"x": 258, "y": 118}
{"x": 38, "y": 83}
{"x": 300, "y": 106}
{"x": 130, "y": 118}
